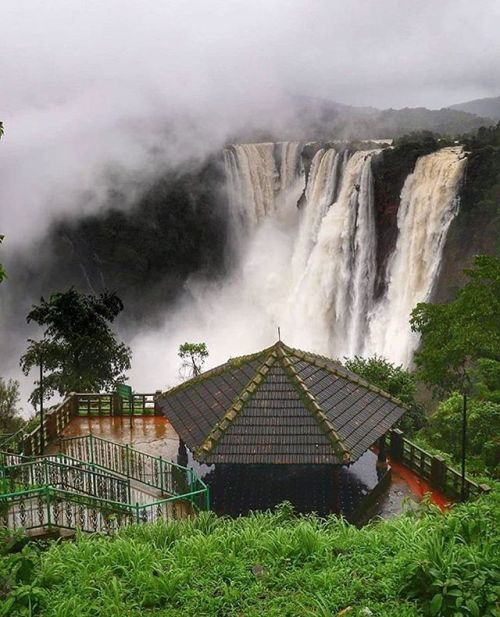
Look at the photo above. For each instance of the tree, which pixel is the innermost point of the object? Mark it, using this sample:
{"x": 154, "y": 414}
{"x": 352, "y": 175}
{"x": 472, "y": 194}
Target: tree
{"x": 458, "y": 336}
{"x": 393, "y": 379}
{"x": 193, "y": 356}
{"x": 9, "y": 400}
{"x": 79, "y": 350}
{"x": 444, "y": 427}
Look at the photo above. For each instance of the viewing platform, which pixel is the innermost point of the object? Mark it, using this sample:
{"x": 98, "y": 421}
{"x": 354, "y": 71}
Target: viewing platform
{"x": 279, "y": 425}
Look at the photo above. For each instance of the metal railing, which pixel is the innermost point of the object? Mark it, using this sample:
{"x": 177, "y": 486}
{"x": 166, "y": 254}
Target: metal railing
{"x": 95, "y": 404}
{"x": 163, "y": 475}
{"x": 28, "y": 440}
{"x": 94, "y": 485}
{"x": 66, "y": 474}
{"x": 48, "y": 507}
{"x": 432, "y": 468}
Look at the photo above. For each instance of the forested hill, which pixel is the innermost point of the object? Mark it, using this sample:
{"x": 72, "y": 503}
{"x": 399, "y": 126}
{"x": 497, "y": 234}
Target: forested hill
{"x": 487, "y": 108}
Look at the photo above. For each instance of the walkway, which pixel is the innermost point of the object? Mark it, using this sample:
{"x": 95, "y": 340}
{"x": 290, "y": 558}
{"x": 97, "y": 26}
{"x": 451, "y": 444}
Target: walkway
{"x": 155, "y": 435}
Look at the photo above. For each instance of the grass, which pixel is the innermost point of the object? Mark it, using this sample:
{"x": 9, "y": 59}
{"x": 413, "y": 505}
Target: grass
{"x": 276, "y": 564}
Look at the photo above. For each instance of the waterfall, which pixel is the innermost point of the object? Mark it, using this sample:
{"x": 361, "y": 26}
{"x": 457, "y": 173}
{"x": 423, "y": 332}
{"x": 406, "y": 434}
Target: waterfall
{"x": 428, "y": 204}
{"x": 329, "y": 304}
{"x": 312, "y": 269}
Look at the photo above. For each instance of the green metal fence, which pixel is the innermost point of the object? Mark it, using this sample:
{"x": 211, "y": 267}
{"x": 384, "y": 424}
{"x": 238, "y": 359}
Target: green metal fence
{"x": 165, "y": 476}
{"x": 95, "y": 485}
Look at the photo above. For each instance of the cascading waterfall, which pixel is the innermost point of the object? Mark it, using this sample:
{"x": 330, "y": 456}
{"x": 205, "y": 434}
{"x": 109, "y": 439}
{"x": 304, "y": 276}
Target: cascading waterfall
{"x": 428, "y": 204}
{"x": 319, "y": 284}
{"x": 258, "y": 186}
{"x": 329, "y": 303}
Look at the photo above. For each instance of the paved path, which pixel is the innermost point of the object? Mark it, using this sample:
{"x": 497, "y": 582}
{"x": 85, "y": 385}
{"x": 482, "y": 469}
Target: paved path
{"x": 156, "y": 436}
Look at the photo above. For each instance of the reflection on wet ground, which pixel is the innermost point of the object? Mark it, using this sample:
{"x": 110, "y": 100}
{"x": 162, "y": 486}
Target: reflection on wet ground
{"x": 152, "y": 434}
{"x": 236, "y": 489}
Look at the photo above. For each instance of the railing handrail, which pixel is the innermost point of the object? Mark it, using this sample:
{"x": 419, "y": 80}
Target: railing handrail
{"x": 427, "y": 460}
{"x": 168, "y": 462}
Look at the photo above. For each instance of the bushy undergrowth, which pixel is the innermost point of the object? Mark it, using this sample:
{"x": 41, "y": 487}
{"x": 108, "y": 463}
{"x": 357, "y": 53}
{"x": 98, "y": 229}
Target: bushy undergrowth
{"x": 422, "y": 563}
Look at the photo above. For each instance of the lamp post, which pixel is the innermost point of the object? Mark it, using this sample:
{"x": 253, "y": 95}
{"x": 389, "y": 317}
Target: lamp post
{"x": 464, "y": 445}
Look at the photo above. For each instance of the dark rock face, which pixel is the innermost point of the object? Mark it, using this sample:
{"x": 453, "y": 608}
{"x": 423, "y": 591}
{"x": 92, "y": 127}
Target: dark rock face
{"x": 177, "y": 227}
{"x": 476, "y": 229}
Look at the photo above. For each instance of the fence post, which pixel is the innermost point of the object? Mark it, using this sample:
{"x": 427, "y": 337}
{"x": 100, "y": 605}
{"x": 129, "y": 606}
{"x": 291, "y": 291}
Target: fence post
{"x": 438, "y": 473}
{"x": 157, "y": 408}
{"x": 397, "y": 445}
{"x": 162, "y": 485}
{"x": 91, "y": 448}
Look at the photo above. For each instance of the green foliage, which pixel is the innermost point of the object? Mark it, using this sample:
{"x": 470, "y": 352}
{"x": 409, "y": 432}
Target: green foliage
{"x": 457, "y": 335}
{"x": 79, "y": 349}
{"x": 9, "y": 400}
{"x": 443, "y": 429}
{"x": 271, "y": 565}
{"x": 393, "y": 379}
{"x": 193, "y": 356}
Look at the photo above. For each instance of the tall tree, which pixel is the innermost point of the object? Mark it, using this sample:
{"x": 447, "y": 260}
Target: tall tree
{"x": 79, "y": 350}
{"x": 193, "y": 356}
{"x": 9, "y": 400}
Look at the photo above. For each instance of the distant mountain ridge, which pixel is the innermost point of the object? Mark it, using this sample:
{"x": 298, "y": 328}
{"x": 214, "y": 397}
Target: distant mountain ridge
{"x": 319, "y": 119}
{"x": 487, "y": 107}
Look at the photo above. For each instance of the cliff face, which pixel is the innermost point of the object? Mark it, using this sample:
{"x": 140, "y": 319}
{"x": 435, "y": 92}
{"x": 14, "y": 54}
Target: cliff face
{"x": 145, "y": 253}
{"x": 476, "y": 229}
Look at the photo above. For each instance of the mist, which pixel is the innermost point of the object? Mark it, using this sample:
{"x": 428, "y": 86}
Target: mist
{"x": 99, "y": 94}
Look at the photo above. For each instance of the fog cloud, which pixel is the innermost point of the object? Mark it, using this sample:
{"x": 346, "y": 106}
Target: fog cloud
{"x": 89, "y": 86}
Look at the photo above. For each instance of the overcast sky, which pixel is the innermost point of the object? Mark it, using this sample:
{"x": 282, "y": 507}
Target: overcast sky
{"x": 84, "y": 82}
{"x": 86, "y": 85}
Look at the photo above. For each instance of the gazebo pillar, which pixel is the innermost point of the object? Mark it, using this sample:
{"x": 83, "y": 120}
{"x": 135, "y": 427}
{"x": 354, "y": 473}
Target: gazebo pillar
{"x": 182, "y": 455}
{"x": 382, "y": 453}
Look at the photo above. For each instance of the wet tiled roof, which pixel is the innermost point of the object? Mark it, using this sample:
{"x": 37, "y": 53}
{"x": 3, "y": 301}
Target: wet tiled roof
{"x": 280, "y": 405}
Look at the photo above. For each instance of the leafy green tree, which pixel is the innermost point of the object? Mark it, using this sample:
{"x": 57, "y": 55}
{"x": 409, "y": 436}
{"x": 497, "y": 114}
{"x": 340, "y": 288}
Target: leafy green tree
{"x": 483, "y": 418}
{"x": 457, "y": 335}
{"x": 460, "y": 350}
{"x": 193, "y": 356}
{"x": 393, "y": 379}
{"x": 79, "y": 350}
{"x": 10, "y": 419}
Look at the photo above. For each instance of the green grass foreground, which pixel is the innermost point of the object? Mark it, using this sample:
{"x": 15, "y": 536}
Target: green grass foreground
{"x": 421, "y": 563}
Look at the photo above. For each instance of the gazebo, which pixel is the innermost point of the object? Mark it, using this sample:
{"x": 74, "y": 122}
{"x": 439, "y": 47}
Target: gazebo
{"x": 284, "y": 424}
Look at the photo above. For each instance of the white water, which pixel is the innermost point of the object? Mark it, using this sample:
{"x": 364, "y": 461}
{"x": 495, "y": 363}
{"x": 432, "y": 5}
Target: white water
{"x": 329, "y": 303}
{"x": 311, "y": 270}
{"x": 428, "y": 204}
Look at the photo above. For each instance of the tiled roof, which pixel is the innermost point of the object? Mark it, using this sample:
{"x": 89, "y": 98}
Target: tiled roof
{"x": 280, "y": 405}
